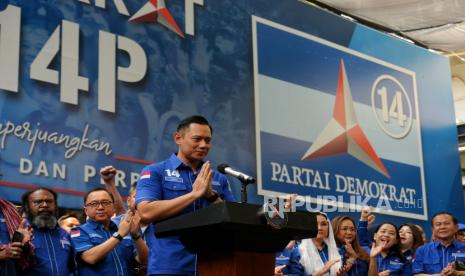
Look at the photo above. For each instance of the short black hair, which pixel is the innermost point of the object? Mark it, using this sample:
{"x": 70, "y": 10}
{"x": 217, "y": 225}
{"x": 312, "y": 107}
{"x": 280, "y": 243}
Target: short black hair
{"x": 97, "y": 190}
{"x": 25, "y": 196}
{"x": 454, "y": 219}
{"x": 68, "y": 215}
{"x": 196, "y": 119}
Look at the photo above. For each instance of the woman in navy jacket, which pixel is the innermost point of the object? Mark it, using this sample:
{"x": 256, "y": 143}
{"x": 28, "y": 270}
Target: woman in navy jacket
{"x": 354, "y": 258}
{"x": 386, "y": 257}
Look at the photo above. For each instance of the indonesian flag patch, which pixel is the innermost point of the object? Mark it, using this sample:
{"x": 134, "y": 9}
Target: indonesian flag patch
{"x": 75, "y": 233}
{"x": 145, "y": 175}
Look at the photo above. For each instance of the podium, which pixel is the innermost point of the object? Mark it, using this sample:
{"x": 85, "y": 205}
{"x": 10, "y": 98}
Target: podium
{"x": 235, "y": 238}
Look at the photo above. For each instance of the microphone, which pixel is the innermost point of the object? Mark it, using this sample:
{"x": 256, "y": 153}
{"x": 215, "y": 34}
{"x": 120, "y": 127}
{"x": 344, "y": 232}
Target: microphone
{"x": 226, "y": 169}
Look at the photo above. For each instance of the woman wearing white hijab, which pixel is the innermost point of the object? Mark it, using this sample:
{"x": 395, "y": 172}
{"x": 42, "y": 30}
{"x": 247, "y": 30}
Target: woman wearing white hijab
{"x": 320, "y": 256}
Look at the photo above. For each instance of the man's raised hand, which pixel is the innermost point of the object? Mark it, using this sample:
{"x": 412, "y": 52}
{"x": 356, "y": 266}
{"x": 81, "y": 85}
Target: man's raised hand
{"x": 108, "y": 173}
{"x": 203, "y": 181}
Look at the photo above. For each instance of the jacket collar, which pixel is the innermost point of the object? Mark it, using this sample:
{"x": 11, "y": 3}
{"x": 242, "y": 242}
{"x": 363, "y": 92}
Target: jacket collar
{"x": 437, "y": 244}
{"x": 95, "y": 225}
{"x": 175, "y": 163}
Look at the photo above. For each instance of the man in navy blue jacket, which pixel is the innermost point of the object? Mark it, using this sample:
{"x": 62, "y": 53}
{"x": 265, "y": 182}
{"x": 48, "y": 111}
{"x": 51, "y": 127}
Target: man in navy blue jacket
{"x": 54, "y": 254}
{"x": 439, "y": 257}
{"x": 181, "y": 184}
{"x": 105, "y": 248}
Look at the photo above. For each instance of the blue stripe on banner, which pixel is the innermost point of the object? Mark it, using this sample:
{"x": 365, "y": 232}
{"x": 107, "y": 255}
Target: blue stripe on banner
{"x": 303, "y": 61}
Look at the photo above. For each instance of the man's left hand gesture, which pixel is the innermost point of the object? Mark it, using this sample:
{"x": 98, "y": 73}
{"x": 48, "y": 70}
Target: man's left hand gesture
{"x": 108, "y": 174}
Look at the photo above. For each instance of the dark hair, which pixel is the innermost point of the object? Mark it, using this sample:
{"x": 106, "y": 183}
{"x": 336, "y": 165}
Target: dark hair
{"x": 196, "y": 119}
{"x": 324, "y": 215}
{"x": 67, "y": 216}
{"x": 417, "y": 238}
{"x": 395, "y": 249}
{"x": 25, "y": 197}
{"x": 336, "y": 223}
{"x": 454, "y": 219}
{"x": 97, "y": 190}
{"x": 321, "y": 214}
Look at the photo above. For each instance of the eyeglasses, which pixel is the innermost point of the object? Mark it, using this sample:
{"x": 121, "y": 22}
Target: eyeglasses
{"x": 39, "y": 202}
{"x": 347, "y": 229}
{"x": 95, "y": 204}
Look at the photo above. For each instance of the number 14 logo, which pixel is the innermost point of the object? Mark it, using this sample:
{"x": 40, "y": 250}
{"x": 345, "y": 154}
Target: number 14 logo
{"x": 174, "y": 173}
{"x": 395, "y": 118}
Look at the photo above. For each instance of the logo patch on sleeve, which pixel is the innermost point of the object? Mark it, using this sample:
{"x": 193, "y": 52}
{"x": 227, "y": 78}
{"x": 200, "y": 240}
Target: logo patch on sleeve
{"x": 75, "y": 233}
{"x": 145, "y": 175}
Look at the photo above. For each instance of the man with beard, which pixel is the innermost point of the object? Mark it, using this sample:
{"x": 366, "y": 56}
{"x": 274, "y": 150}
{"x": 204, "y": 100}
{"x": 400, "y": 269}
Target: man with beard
{"x": 54, "y": 254}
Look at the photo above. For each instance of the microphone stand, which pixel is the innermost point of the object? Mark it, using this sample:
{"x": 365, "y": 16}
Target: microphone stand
{"x": 244, "y": 183}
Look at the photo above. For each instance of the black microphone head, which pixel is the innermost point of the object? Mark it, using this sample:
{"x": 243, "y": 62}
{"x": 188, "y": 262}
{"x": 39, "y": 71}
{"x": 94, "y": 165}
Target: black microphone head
{"x": 222, "y": 167}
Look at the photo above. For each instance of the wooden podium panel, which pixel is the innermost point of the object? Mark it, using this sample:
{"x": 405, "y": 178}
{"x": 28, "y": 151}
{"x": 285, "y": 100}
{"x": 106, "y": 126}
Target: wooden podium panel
{"x": 236, "y": 263}
{"x": 232, "y": 226}
{"x": 234, "y": 238}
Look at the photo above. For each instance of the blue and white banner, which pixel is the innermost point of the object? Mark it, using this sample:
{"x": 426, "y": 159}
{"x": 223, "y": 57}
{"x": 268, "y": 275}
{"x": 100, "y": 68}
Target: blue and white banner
{"x": 332, "y": 121}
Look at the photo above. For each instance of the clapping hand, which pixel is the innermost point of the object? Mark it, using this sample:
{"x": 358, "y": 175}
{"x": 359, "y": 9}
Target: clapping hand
{"x": 125, "y": 224}
{"x": 134, "y": 229}
{"x": 376, "y": 249}
{"x": 203, "y": 181}
{"x": 26, "y": 231}
{"x": 449, "y": 270}
{"x": 278, "y": 270}
{"x": 327, "y": 267}
{"x": 351, "y": 254}
{"x": 11, "y": 251}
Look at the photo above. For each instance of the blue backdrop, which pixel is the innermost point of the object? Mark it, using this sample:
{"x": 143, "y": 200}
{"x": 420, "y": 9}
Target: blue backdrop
{"x": 58, "y": 127}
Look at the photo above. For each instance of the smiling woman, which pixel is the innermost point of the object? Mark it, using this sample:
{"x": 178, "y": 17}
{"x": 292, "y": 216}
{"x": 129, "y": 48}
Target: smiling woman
{"x": 386, "y": 257}
{"x": 354, "y": 258}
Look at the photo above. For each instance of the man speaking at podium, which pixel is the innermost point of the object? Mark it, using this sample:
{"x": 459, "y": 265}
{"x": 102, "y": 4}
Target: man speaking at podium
{"x": 181, "y": 184}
